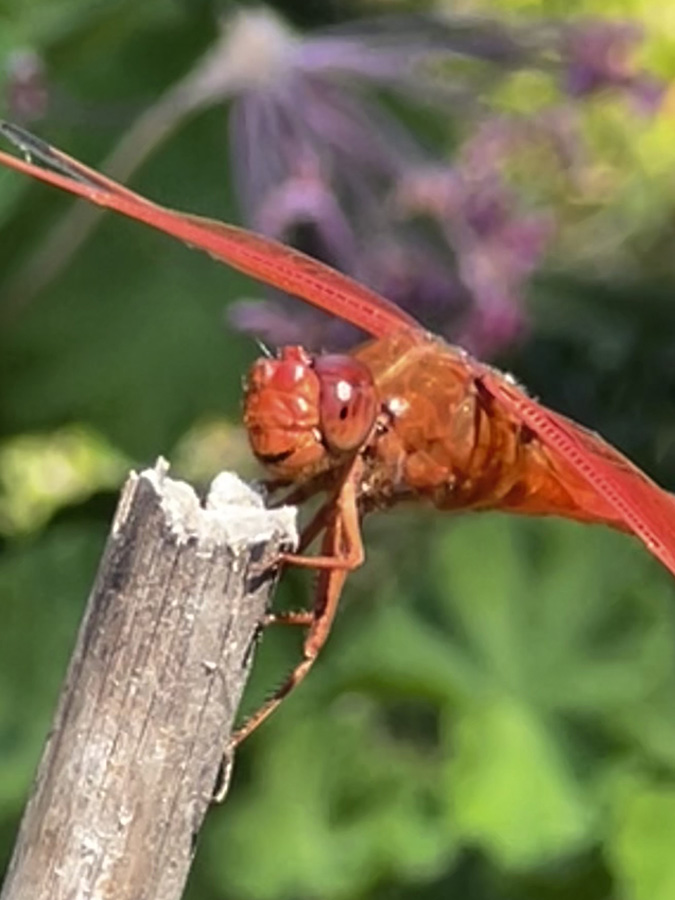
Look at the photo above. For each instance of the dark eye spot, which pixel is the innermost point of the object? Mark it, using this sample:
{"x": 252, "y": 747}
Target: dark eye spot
{"x": 343, "y": 413}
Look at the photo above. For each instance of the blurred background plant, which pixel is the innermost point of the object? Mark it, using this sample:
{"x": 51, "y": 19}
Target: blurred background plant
{"x": 505, "y": 172}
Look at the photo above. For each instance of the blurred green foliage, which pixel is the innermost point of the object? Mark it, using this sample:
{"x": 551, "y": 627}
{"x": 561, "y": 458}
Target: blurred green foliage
{"x": 495, "y": 714}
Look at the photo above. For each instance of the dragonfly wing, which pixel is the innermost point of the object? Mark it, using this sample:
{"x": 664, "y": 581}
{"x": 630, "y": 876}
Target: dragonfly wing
{"x": 264, "y": 259}
{"x": 644, "y": 508}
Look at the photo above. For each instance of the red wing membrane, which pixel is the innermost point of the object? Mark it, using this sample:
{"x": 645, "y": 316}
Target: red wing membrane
{"x": 646, "y": 509}
{"x": 261, "y": 258}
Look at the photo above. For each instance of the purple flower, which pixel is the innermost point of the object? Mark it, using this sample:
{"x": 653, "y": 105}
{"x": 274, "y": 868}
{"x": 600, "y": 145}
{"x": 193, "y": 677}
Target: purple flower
{"x": 26, "y": 90}
{"x": 599, "y": 55}
{"x": 497, "y": 245}
{"x": 320, "y": 161}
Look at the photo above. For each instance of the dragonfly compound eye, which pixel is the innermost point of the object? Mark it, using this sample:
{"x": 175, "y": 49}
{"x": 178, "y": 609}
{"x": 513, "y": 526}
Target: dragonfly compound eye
{"x": 348, "y": 401}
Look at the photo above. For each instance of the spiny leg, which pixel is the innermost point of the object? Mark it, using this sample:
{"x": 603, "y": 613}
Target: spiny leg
{"x": 328, "y": 589}
{"x": 347, "y": 553}
{"x": 319, "y": 522}
{"x": 303, "y": 617}
{"x": 327, "y": 595}
{"x": 338, "y": 541}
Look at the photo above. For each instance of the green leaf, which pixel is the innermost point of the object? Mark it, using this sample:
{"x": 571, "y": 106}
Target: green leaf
{"x": 43, "y": 589}
{"x": 333, "y": 807}
{"x": 510, "y": 786}
{"x": 640, "y": 844}
{"x": 568, "y": 618}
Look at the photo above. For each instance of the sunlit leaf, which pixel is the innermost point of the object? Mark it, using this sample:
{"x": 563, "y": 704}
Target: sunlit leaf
{"x": 640, "y": 847}
{"x": 510, "y": 787}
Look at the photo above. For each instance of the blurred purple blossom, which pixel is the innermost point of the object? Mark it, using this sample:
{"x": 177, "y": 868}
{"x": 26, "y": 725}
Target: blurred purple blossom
{"x": 497, "y": 245}
{"x": 321, "y": 162}
{"x": 26, "y": 89}
{"x": 600, "y": 55}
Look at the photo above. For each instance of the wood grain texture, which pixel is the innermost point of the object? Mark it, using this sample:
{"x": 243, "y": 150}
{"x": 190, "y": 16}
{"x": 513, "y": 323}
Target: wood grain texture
{"x": 151, "y": 693}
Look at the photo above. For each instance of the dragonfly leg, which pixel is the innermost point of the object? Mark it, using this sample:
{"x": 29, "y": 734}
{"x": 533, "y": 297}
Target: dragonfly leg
{"x": 337, "y": 544}
{"x": 328, "y": 590}
{"x": 347, "y": 553}
{"x": 303, "y": 617}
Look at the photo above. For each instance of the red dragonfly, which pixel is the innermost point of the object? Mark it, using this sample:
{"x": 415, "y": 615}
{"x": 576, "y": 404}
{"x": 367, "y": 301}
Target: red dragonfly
{"x": 406, "y": 416}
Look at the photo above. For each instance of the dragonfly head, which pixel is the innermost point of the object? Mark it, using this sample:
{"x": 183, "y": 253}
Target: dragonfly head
{"x": 304, "y": 412}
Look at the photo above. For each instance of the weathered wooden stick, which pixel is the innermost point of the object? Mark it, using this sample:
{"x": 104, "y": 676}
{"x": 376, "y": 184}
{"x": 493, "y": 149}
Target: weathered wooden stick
{"x": 151, "y": 693}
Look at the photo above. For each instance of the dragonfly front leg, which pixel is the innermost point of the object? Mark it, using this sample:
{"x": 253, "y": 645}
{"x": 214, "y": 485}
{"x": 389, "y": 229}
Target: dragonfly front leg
{"x": 327, "y": 596}
{"x": 343, "y": 505}
{"x": 302, "y": 617}
{"x": 326, "y": 599}
{"x": 341, "y": 544}
{"x": 347, "y": 553}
